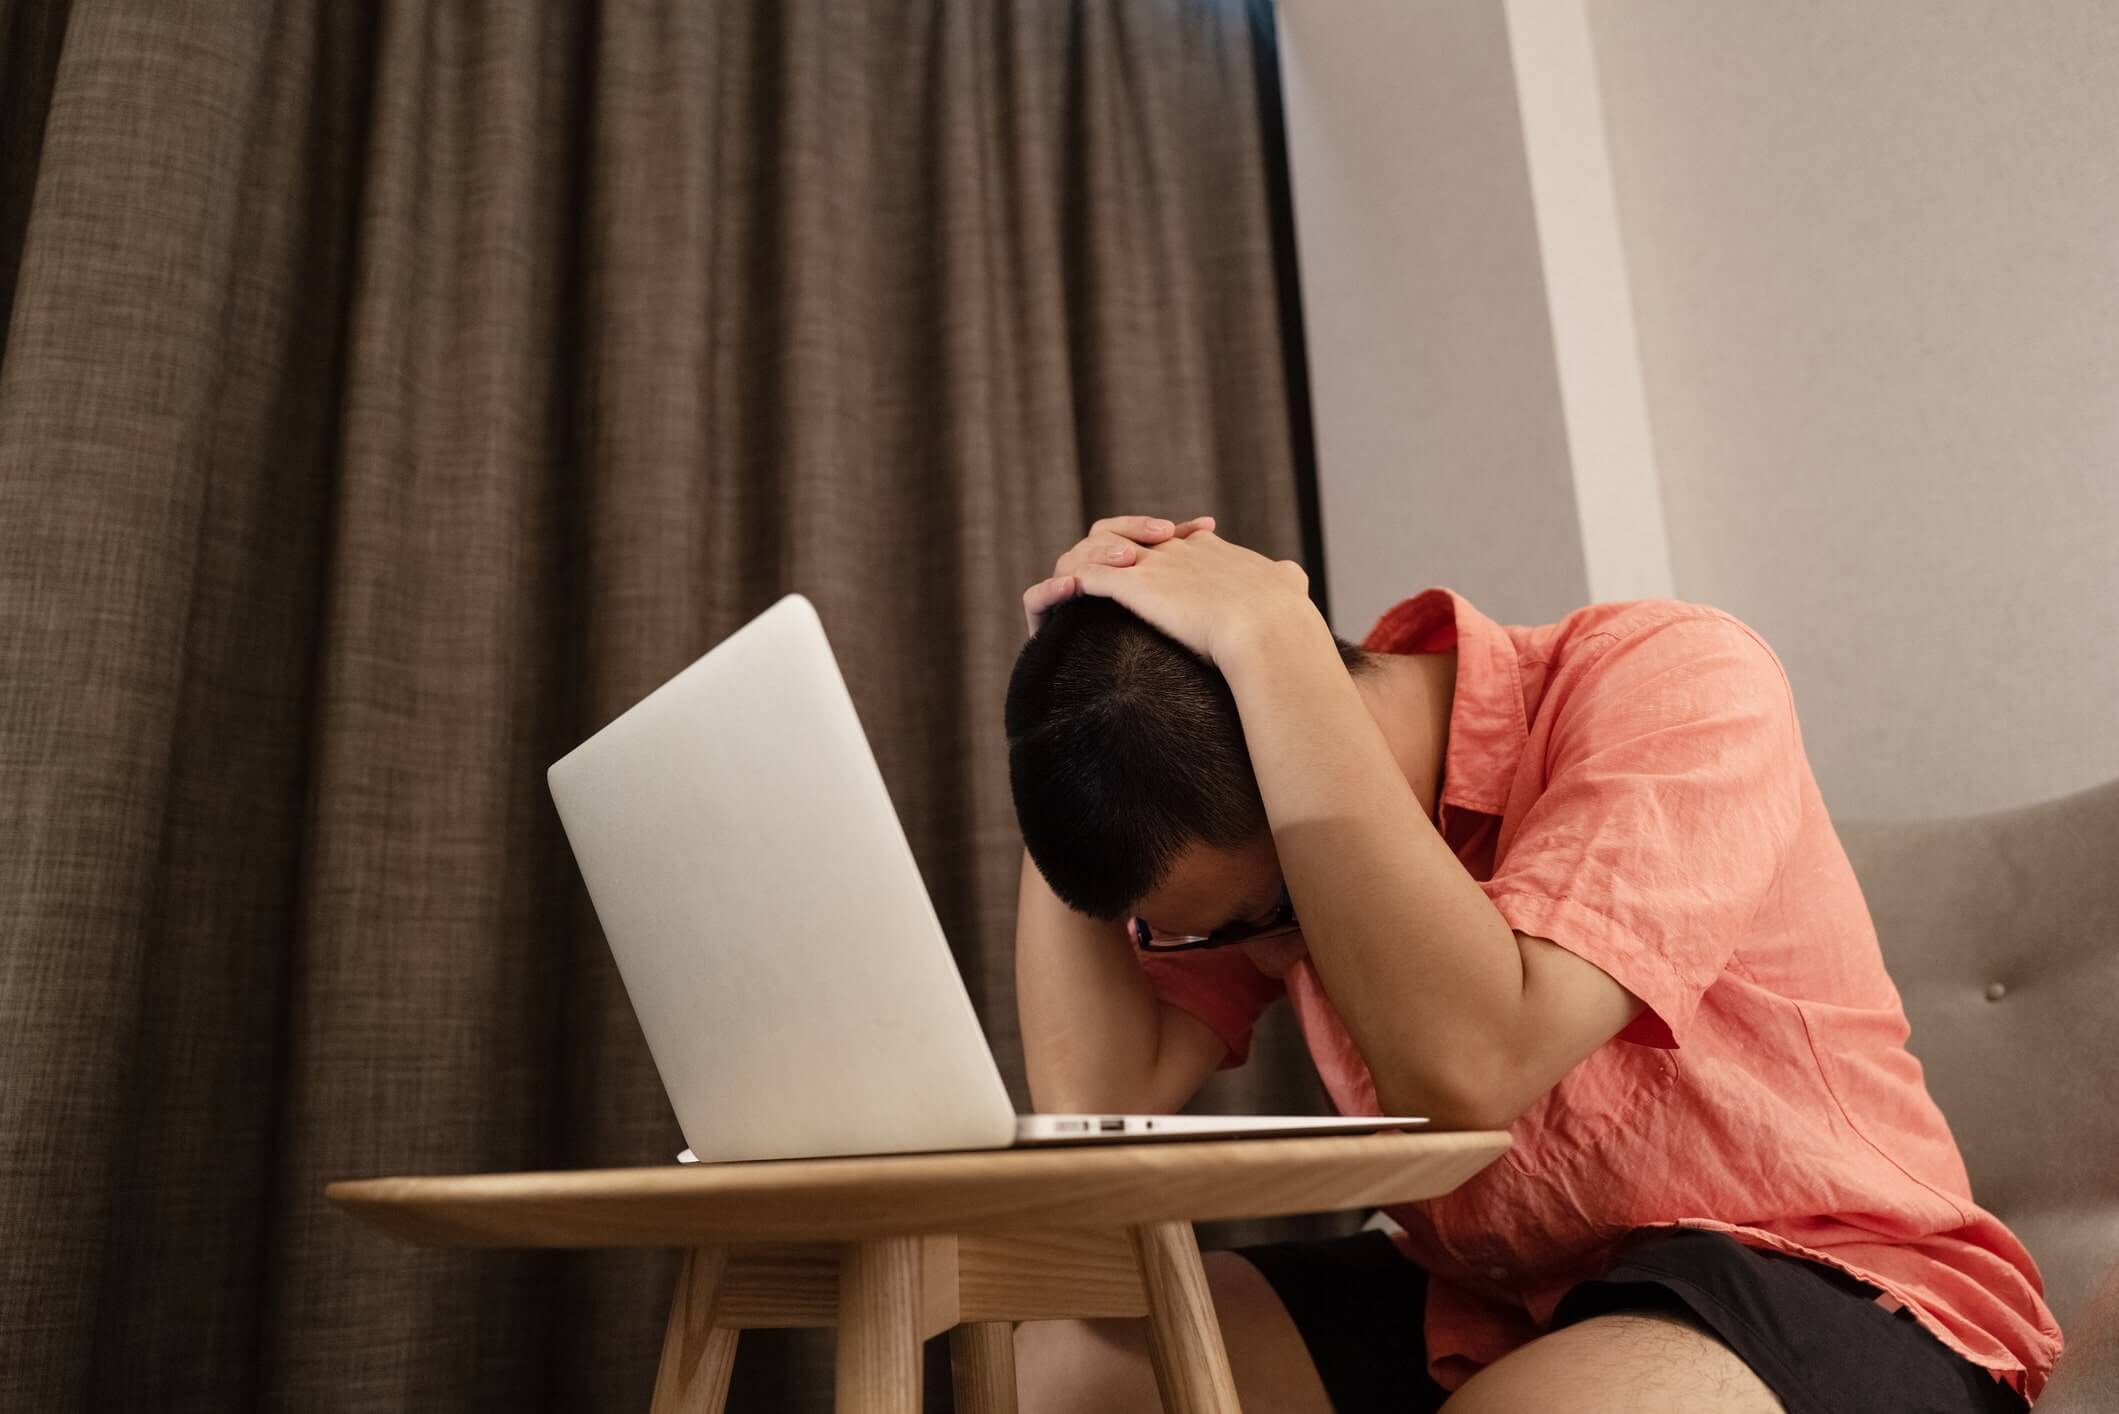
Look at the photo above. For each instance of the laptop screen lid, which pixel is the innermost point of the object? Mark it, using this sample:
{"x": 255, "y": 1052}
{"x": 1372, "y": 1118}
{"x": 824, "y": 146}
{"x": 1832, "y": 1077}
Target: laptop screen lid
{"x": 767, "y": 914}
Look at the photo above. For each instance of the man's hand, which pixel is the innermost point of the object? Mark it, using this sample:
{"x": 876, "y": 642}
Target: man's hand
{"x": 1210, "y": 594}
{"x": 1116, "y": 540}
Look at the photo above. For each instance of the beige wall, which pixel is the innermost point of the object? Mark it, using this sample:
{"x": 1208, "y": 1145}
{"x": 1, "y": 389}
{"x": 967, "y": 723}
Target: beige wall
{"x": 1872, "y": 258}
{"x": 1875, "y": 259}
{"x": 1440, "y": 438}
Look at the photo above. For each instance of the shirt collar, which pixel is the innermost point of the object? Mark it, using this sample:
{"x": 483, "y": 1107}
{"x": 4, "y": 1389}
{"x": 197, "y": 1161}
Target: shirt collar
{"x": 1487, "y": 728}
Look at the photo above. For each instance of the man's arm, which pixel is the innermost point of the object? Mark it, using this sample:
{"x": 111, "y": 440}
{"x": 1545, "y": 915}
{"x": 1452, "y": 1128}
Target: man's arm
{"x": 1458, "y": 1016}
{"x": 1095, "y": 1037}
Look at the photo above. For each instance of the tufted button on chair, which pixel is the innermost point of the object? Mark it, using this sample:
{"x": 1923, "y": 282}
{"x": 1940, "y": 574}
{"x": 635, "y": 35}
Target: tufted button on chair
{"x": 2002, "y": 932}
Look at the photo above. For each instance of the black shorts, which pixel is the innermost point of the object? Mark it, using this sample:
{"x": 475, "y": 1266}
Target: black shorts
{"x": 1814, "y": 1334}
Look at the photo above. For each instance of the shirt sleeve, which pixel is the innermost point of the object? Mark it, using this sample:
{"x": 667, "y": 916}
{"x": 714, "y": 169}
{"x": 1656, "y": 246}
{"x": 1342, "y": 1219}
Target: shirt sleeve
{"x": 1220, "y": 986}
{"x": 1675, "y": 785}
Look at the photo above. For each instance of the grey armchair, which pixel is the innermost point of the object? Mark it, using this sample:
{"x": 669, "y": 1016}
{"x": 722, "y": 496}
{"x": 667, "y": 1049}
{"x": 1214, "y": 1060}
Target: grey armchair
{"x": 2002, "y": 932}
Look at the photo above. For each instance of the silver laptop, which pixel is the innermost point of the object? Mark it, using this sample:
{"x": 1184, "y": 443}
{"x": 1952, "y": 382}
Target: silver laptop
{"x": 773, "y": 931}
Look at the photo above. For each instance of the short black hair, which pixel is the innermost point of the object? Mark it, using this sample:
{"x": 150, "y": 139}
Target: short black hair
{"x": 1124, "y": 750}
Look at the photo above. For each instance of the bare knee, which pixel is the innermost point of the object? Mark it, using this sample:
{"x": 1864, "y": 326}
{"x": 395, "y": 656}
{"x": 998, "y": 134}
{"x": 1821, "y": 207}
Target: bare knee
{"x": 1084, "y": 1367}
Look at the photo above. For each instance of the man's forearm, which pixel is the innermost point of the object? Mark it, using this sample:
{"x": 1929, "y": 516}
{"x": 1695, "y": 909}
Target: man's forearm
{"x": 1091, "y": 1025}
{"x": 1421, "y": 967}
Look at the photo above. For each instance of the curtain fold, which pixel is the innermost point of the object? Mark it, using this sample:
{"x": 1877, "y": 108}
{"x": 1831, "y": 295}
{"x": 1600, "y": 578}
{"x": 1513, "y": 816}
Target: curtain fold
{"x": 390, "y": 395}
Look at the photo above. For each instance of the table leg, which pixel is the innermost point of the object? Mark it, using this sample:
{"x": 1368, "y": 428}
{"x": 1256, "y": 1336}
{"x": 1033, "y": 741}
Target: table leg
{"x": 982, "y": 1367}
{"x": 697, "y": 1355}
{"x": 1191, "y": 1364}
{"x": 879, "y": 1337}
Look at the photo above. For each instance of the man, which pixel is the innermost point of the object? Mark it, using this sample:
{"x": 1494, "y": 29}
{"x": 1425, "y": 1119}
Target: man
{"x": 1575, "y": 881}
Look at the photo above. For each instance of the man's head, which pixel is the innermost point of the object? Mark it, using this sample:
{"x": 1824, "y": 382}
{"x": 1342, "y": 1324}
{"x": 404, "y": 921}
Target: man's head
{"x": 1133, "y": 786}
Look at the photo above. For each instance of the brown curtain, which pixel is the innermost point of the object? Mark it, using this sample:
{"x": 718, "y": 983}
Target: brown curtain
{"x": 390, "y": 396}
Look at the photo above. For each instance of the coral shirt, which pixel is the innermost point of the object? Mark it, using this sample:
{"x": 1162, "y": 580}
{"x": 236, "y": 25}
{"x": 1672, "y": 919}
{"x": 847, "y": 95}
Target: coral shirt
{"x": 1630, "y": 783}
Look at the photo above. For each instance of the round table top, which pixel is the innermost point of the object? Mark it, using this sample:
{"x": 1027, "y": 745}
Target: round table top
{"x": 794, "y": 1200}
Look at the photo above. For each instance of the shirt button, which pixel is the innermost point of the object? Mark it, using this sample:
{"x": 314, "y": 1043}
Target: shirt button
{"x": 1996, "y": 991}
{"x": 1497, "y": 1273}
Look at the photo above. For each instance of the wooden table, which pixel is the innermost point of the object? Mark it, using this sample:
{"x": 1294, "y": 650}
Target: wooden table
{"x": 895, "y": 1249}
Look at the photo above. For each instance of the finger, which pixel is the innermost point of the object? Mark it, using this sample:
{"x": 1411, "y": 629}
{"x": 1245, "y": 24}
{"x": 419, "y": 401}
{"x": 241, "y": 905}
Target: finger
{"x": 1145, "y": 529}
{"x": 1106, "y": 582}
{"x": 1115, "y": 533}
{"x": 1098, "y": 550}
{"x": 1095, "y": 579}
{"x": 1043, "y": 595}
{"x": 1121, "y": 549}
{"x": 1111, "y": 541}
{"x": 1047, "y": 592}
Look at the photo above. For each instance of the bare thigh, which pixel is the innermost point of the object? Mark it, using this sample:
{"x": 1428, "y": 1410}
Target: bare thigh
{"x": 1638, "y": 1363}
{"x": 1102, "y": 1367}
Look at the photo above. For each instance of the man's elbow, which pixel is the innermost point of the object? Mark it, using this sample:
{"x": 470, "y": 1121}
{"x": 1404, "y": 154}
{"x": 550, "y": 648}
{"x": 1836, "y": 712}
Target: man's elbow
{"x": 1475, "y": 1098}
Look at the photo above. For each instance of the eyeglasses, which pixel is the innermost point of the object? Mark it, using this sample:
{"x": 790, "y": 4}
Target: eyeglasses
{"x": 1281, "y": 921}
